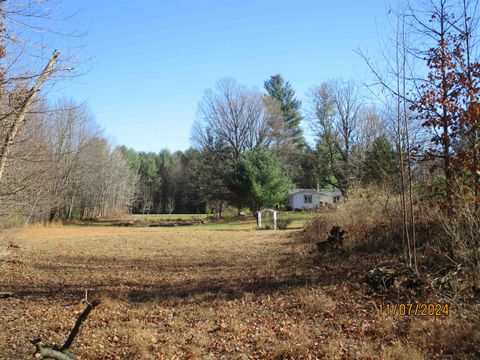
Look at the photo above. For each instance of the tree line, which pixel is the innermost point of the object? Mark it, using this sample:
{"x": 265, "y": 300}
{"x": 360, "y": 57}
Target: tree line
{"x": 54, "y": 163}
{"x": 63, "y": 168}
{"x": 249, "y": 149}
{"x": 248, "y": 152}
{"x": 248, "y": 146}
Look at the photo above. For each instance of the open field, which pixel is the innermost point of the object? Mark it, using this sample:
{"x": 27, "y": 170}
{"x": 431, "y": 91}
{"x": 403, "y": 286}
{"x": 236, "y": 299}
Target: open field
{"x": 296, "y": 220}
{"x": 175, "y": 293}
{"x": 171, "y": 216}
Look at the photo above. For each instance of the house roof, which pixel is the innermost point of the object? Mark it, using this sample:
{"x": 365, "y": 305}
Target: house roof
{"x": 320, "y": 192}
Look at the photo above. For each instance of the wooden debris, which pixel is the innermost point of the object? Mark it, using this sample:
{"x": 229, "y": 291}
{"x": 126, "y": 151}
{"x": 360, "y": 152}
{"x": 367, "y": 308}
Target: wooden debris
{"x": 7, "y": 294}
{"x": 385, "y": 277}
{"x": 334, "y": 241}
{"x": 61, "y": 352}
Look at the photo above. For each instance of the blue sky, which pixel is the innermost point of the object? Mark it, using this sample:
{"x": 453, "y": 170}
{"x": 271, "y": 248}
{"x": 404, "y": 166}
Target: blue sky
{"x": 153, "y": 60}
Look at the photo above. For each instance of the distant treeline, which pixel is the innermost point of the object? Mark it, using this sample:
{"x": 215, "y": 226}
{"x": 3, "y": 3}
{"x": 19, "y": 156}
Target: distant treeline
{"x": 249, "y": 149}
{"x": 63, "y": 168}
{"x": 420, "y": 137}
{"x": 248, "y": 152}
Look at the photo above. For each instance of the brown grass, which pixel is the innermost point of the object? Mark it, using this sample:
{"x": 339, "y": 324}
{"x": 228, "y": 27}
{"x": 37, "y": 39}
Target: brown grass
{"x": 184, "y": 294}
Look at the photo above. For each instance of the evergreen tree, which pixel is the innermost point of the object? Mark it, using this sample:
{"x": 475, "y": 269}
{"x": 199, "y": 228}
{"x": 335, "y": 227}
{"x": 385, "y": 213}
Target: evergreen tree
{"x": 258, "y": 180}
{"x": 192, "y": 198}
{"x": 283, "y": 92}
{"x": 149, "y": 184}
{"x": 380, "y": 163}
{"x": 208, "y": 175}
{"x": 328, "y": 159}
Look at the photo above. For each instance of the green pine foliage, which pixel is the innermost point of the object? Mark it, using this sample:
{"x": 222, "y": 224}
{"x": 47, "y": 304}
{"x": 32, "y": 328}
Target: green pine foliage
{"x": 258, "y": 180}
{"x": 380, "y": 163}
{"x": 283, "y": 92}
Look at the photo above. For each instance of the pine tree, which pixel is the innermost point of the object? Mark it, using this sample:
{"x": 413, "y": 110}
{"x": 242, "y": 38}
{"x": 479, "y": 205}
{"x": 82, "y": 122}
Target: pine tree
{"x": 258, "y": 180}
{"x": 380, "y": 168}
{"x": 283, "y": 92}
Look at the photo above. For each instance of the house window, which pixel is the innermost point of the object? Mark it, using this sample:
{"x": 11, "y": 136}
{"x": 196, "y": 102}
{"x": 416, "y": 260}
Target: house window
{"x": 336, "y": 199}
{"x": 307, "y": 199}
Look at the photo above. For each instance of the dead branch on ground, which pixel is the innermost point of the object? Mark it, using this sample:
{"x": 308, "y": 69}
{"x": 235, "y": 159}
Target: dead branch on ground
{"x": 57, "y": 352}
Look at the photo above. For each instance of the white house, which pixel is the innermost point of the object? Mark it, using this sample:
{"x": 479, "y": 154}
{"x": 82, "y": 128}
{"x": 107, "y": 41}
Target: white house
{"x": 310, "y": 198}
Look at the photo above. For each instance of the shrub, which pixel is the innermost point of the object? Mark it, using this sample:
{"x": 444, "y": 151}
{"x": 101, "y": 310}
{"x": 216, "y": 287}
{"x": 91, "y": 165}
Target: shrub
{"x": 448, "y": 244}
{"x": 116, "y": 213}
{"x": 230, "y": 212}
{"x": 372, "y": 220}
{"x": 461, "y": 235}
{"x": 12, "y": 220}
{"x": 282, "y": 224}
{"x": 9, "y": 224}
{"x": 369, "y": 216}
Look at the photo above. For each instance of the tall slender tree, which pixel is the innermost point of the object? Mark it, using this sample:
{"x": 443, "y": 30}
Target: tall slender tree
{"x": 283, "y": 92}
{"x": 380, "y": 167}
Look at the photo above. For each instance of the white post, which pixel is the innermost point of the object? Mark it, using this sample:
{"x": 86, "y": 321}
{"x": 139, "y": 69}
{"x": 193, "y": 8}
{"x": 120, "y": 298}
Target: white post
{"x": 275, "y": 220}
{"x": 259, "y": 221}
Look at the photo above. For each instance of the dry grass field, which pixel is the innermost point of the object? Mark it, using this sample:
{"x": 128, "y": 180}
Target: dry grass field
{"x": 180, "y": 293}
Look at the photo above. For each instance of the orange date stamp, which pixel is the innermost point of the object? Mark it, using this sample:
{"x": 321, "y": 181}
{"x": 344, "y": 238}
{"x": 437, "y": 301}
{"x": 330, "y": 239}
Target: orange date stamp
{"x": 418, "y": 309}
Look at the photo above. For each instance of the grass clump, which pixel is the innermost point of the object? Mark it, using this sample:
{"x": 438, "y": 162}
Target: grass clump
{"x": 282, "y": 224}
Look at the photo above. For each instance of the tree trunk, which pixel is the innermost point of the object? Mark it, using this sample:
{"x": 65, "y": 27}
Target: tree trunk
{"x": 53, "y": 213}
{"x": 19, "y": 115}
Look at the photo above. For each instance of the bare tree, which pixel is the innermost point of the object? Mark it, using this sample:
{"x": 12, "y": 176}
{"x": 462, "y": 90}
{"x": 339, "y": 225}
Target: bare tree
{"x": 348, "y": 102}
{"x": 236, "y": 116}
{"x": 467, "y": 28}
{"x": 371, "y": 125}
{"x": 70, "y": 133}
{"x": 335, "y": 118}
{"x": 24, "y": 68}
{"x": 17, "y": 117}
{"x": 62, "y": 168}
{"x": 322, "y": 122}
